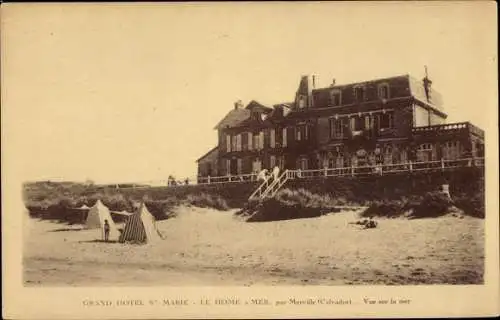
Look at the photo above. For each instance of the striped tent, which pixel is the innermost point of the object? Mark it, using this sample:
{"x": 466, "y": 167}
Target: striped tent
{"x": 96, "y": 217}
{"x": 140, "y": 227}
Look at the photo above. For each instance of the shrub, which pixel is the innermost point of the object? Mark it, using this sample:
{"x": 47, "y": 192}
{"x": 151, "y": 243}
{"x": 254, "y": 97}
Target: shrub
{"x": 471, "y": 205}
{"x": 160, "y": 209}
{"x": 205, "y": 200}
{"x": 433, "y": 204}
{"x": 290, "y": 204}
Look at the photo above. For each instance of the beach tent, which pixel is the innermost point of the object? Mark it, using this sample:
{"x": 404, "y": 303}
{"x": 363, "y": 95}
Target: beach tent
{"x": 83, "y": 207}
{"x": 96, "y": 217}
{"x": 140, "y": 227}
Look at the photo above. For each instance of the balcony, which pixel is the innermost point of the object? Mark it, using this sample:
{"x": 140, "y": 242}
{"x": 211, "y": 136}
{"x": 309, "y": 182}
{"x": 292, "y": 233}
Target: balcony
{"x": 451, "y": 128}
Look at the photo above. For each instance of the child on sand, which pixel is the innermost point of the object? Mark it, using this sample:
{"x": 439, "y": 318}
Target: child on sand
{"x": 106, "y": 230}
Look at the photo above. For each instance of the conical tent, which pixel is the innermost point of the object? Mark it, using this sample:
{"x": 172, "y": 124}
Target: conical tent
{"x": 140, "y": 227}
{"x": 96, "y": 217}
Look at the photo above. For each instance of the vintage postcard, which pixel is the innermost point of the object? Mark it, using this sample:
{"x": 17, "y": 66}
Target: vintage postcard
{"x": 249, "y": 160}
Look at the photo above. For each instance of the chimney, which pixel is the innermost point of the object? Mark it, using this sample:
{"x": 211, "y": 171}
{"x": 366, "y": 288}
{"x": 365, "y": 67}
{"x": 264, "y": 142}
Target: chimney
{"x": 427, "y": 85}
{"x": 238, "y": 105}
{"x": 314, "y": 81}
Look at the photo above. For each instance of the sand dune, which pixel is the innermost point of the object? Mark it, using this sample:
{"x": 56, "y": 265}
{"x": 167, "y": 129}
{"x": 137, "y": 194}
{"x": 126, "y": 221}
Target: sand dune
{"x": 210, "y": 247}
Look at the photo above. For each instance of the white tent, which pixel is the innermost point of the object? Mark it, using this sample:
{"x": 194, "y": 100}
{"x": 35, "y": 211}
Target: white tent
{"x": 96, "y": 217}
{"x": 140, "y": 227}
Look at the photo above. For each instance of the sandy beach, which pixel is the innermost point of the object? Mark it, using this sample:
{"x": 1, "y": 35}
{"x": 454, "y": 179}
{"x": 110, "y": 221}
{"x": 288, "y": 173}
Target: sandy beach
{"x": 210, "y": 247}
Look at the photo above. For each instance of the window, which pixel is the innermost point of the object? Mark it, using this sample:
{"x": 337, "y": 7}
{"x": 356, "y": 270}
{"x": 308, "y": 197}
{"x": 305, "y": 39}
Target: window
{"x": 368, "y": 122}
{"x": 479, "y": 150}
{"x": 272, "y": 161}
{"x": 356, "y": 124}
{"x": 233, "y": 143}
{"x": 302, "y": 163}
{"x": 340, "y": 160}
{"x": 385, "y": 121}
{"x": 284, "y": 137}
{"x": 335, "y": 98}
{"x": 359, "y": 93}
{"x": 281, "y": 162}
{"x": 228, "y": 143}
{"x": 388, "y": 155}
{"x": 301, "y": 132}
{"x": 451, "y": 150}
{"x": 272, "y": 138}
{"x": 425, "y": 152}
{"x": 250, "y": 138}
{"x": 239, "y": 165}
{"x": 256, "y": 165}
{"x": 228, "y": 166}
{"x": 337, "y": 128}
{"x": 383, "y": 91}
{"x": 302, "y": 102}
{"x": 331, "y": 160}
{"x": 238, "y": 142}
{"x": 256, "y": 141}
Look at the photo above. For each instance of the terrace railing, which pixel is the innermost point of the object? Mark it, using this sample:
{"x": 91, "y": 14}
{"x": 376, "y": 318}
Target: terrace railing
{"x": 271, "y": 186}
{"x": 443, "y": 127}
{"x": 227, "y": 179}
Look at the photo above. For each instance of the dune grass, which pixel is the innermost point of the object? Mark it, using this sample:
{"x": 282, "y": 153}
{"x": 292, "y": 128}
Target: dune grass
{"x": 60, "y": 201}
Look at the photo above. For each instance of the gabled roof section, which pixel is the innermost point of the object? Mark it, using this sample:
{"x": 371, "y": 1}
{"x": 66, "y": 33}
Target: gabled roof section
{"x": 233, "y": 118}
{"x": 209, "y": 153}
{"x": 256, "y": 106}
{"x": 418, "y": 91}
{"x": 366, "y": 82}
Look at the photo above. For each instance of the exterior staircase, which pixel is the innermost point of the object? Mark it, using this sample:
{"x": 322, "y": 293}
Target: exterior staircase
{"x": 269, "y": 188}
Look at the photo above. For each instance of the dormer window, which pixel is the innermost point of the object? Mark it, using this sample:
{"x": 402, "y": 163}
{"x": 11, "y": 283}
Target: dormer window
{"x": 302, "y": 102}
{"x": 335, "y": 98}
{"x": 383, "y": 91}
{"x": 359, "y": 93}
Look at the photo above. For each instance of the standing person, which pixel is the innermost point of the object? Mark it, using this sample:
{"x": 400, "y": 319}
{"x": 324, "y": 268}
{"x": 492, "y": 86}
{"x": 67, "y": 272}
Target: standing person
{"x": 106, "y": 230}
{"x": 262, "y": 175}
{"x": 276, "y": 172}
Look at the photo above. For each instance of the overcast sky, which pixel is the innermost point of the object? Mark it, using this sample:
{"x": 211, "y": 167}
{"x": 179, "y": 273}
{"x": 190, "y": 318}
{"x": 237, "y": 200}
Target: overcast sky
{"x": 128, "y": 93}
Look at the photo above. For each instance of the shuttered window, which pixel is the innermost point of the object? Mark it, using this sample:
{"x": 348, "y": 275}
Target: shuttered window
{"x": 238, "y": 142}
{"x": 272, "y": 138}
{"x": 250, "y": 141}
{"x": 228, "y": 143}
{"x": 284, "y": 137}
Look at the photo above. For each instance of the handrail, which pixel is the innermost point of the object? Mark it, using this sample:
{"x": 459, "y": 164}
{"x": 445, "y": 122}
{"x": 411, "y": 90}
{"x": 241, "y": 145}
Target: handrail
{"x": 259, "y": 189}
{"x": 274, "y": 183}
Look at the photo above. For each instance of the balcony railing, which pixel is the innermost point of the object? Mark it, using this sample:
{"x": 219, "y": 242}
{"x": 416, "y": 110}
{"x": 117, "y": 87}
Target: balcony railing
{"x": 227, "y": 179}
{"x": 443, "y": 127}
{"x": 369, "y": 170}
{"x": 372, "y": 170}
